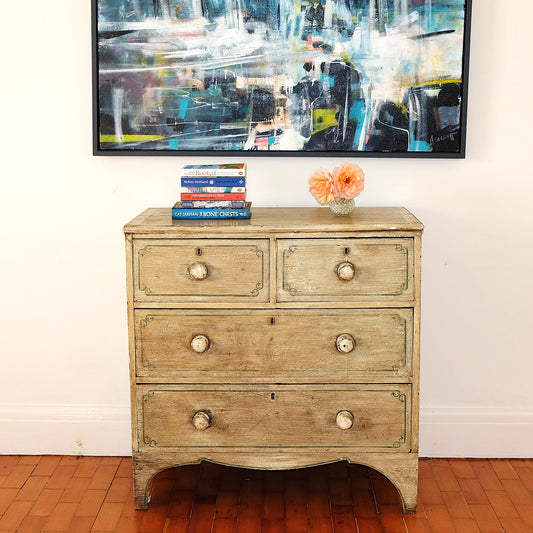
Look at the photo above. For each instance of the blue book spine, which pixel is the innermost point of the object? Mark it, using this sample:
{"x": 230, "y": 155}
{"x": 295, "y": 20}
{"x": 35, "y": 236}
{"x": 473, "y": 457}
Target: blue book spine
{"x": 210, "y": 213}
{"x": 213, "y": 182}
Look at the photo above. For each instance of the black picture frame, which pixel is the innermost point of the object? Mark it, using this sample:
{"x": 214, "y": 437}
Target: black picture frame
{"x": 109, "y": 40}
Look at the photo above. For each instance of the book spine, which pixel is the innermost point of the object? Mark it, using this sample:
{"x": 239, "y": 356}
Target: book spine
{"x": 213, "y": 204}
{"x": 213, "y": 189}
{"x": 212, "y": 172}
{"x": 210, "y": 213}
{"x": 213, "y": 196}
{"x": 213, "y": 182}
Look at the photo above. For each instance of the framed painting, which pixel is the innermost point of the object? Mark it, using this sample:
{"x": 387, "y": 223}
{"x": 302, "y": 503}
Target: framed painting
{"x": 281, "y": 77}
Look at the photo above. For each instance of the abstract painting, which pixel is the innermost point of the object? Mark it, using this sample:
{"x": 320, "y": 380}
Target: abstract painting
{"x": 285, "y": 77}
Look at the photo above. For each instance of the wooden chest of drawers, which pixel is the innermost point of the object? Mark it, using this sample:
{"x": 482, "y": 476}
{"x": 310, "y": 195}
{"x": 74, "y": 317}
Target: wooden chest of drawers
{"x": 283, "y": 341}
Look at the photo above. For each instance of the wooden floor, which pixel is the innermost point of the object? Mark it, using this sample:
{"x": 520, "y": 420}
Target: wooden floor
{"x": 79, "y": 494}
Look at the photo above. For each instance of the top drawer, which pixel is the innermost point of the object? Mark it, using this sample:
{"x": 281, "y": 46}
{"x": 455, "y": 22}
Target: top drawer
{"x": 201, "y": 270}
{"x": 362, "y": 269}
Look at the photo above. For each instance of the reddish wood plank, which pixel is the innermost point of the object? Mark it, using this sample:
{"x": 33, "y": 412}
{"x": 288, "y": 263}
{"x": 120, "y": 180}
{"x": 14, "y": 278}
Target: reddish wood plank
{"x": 249, "y": 519}
{"x": 392, "y": 519}
{"x": 273, "y": 505}
{"x": 486, "y": 519}
{"x": 181, "y": 504}
{"x": 87, "y": 466}
{"x": 14, "y": 515}
{"x": 502, "y": 504}
{"x": 343, "y": 519}
{"x": 462, "y": 469}
{"x": 473, "y": 491}
{"x": 486, "y": 475}
{"x": 503, "y": 469}
{"x": 6, "y": 497}
{"x": 319, "y": 524}
{"x": 61, "y": 517}
{"x": 31, "y": 524}
{"x": 225, "y": 525}
{"x": 369, "y": 525}
{"x": 90, "y": 503}
{"x": 417, "y": 525}
{"x": 456, "y": 505}
{"x": 75, "y": 490}
{"x": 47, "y": 465}
{"x": 514, "y": 525}
{"x": 31, "y": 489}
{"x": 202, "y": 518}
{"x": 176, "y": 525}
{"x": 46, "y": 502}
{"x": 108, "y": 517}
{"x": 516, "y": 491}
{"x": 439, "y": 519}
{"x": 61, "y": 476}
{"x": 103, "y": 476}
{"x": 17, "y": 476}
{"x": 466, "y": 525}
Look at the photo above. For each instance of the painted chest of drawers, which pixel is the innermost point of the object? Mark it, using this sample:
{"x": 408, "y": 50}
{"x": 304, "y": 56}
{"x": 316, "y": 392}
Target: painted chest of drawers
{"x": 283, "y": 341}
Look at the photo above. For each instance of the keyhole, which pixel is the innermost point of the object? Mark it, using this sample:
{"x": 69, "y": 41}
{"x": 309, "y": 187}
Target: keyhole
{"x": 346, "y": 251}
{"x": 272, "y": 320}
{"x": 272, "y": 395}
{"x": 198, "y": 251}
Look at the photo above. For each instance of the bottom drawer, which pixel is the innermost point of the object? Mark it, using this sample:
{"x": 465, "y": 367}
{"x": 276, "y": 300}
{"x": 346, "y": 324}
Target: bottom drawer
{"x": 304, "y": 416}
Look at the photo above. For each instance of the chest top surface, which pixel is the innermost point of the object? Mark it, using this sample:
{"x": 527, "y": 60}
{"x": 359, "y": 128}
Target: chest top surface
{"x": 280, "y": 220}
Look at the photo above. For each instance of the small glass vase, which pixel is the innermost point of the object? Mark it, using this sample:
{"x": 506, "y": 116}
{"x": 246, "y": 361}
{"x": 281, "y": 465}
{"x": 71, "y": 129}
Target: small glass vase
{"x": 342, "y": 206}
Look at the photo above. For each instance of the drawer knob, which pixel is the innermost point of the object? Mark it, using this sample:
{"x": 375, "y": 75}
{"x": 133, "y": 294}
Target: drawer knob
{"x": 344, "y": 420}
{"x": 346, "y": 271}
{"x": 198, "y": 271}
{"x": 345, "y": 343}
{"x": 201, "y": 420}
{"x": 200, "y": 343}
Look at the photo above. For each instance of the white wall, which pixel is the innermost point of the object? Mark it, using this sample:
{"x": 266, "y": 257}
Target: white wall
{"x": 63, "y": 352}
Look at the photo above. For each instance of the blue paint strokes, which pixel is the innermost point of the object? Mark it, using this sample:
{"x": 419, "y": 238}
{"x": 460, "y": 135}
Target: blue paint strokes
{"x": 184, "y": 104}
{"x": 173, "y": 144}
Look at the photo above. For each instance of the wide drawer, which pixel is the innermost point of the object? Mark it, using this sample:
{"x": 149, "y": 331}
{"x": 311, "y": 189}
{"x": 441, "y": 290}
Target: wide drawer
{"x": 282, "y": 416}
{"x": 207, "y": 270}
{"x": 354, "y": 269}
{"x": 277, "y": 345}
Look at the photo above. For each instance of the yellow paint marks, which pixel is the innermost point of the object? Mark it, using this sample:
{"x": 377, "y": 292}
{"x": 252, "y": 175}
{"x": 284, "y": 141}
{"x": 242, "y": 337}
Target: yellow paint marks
{"x": 434, "y": 82}
{"x": 323, "y": 118}
{"x": 129, "y": 138}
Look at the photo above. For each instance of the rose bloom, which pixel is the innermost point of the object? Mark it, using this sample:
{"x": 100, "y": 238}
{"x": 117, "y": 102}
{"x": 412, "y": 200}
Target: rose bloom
{"x": 348, "y": 180}
{"x": 321, "y": 186}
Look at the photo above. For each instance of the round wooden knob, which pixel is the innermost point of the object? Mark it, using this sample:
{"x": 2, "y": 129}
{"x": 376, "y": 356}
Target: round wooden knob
{"x": 200, "y": 343}
{"x": 346, "y": 271}
{"x": 198, "y": 271}
{"x": 344, "y": 420}
{"x": 345, "y": 343}
{"x": 201, "y": 420}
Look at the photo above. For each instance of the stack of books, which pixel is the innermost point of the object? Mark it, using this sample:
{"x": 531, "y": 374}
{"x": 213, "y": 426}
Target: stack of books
{"x": 213, "y": 191}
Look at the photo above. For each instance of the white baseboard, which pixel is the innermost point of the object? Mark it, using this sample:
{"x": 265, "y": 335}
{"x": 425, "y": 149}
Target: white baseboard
{"x": 65, "y": 430}
{"x": 475, "y": 432}
{"x": 105, "y": 430}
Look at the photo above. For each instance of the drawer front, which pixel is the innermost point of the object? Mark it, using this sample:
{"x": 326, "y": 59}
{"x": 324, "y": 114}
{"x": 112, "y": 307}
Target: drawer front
{"x": 209, "y": 270}
{"x": 287, "y": 417}
{"x": 273, "y": 345}
{"x": 345, "y": 269}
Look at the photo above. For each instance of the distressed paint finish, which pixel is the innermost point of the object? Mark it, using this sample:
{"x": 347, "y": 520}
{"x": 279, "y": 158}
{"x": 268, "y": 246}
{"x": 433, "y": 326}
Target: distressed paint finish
{"x": 280, "y": 75}
{"x": 274, "y": 388}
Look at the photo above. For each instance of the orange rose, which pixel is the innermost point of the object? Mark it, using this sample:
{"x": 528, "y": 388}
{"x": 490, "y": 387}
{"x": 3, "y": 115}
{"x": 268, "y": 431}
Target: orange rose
{"x": 321, "y": 186}
{"x": 348, "y": 180}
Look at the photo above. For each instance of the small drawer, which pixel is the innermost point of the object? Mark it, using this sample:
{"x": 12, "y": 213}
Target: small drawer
{"x": 358, "y": 416}
{"x": 348, "y": 269}
{"x": 275, "y": 345}
{"x": 207, "y": 270}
